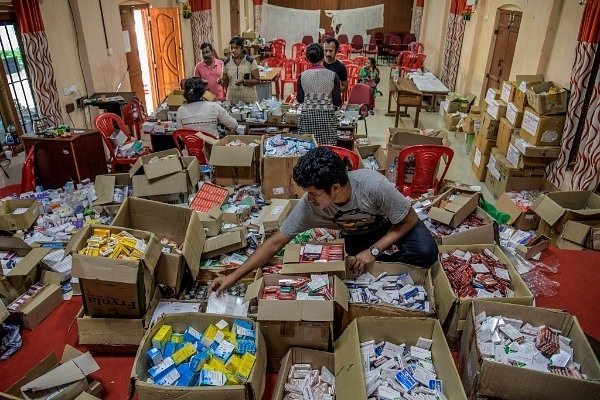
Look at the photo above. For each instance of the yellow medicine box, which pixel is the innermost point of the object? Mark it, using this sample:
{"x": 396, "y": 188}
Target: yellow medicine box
{"x": 184, "y": 353}
{"x": 162, "y": 336}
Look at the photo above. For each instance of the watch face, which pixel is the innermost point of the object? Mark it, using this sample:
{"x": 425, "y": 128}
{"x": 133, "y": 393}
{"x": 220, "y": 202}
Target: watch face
{"x": 374, "y": 251}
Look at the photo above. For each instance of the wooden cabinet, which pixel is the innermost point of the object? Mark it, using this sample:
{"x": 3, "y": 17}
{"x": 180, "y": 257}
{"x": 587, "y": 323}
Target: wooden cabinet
{"x": 58, "y": 160}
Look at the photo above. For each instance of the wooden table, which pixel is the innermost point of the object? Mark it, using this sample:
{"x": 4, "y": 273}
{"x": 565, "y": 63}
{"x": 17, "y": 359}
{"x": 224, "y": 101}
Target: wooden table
{"x": 270, "y": 75}
{"x": 58, "y": 160}
{"x": 431, "y": 87}
{"x": 406, "y": 94}
{"x": 263, "y": 89}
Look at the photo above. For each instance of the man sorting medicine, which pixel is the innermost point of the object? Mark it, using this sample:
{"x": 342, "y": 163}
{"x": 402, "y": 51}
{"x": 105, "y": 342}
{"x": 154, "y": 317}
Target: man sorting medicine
{"x": 376, "y": 221}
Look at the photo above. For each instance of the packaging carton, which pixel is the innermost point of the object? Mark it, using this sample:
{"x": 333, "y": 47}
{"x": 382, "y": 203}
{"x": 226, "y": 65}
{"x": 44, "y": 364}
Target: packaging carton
{"x": 471, "y": 123}
{"x": 224, "y": 243}
{"x": 158, "y": 164}
{"x": 514, "y": 115}
{"x": 236, "y": 165}
{"x": 584, "y": 234}
{"x": 14, "y": 222}
{"x": 544, "y": 103}
{"x": 172, "y": 222}
{"x": 484, "y": 234}
{"x": 208, "y": 197}
{"x": 540, "y": 244}
{"x": 501, "y": 172}
{"x": 542, "y": 130}
{"x": 292, "y": 264}
{"x": 63, "y": 380}
{"x": 518, "y": 88}
{"x": 556, "y": 208}
{"x": 421, "y": 276}
{"x": 183, "y": 181}
{"x": 349, "y": 375}
{"x": 25, "y": 273}
{"x": 32, "y": 311}
{"x": 459, "y": 102}
{"x": 453, "y": 309}
{"x": 484, "y": 144}
{"x": 250, "y": 35}
{"x": 496, "y": 108}
{"x": 377, "y": 152}
{"x": 121, "y": 335}
{"x": 115, "y": 287}
{"x": 276, "y": 173}
{"x": 518, "y": 160}
{"x": 506, "y": 131}
{"x": 3, "y": 312}
{"x": 451, "y": 120}
{"x": 489, "y": 127}
{"x": 252, "y": 390}
{"x": 528, "y": 150}
{"x": 175, "y": 99}
{"x": 298, "y": 355}
{"x": 105, "y": 185}
{"x": 272, "y": 216}
{"x": 404, "y": 137}
{"x": 211, "y": 220}
{"x": 481, "y": 377}
{"x": 479, "y": 162}
{"x": 454, "y": 213}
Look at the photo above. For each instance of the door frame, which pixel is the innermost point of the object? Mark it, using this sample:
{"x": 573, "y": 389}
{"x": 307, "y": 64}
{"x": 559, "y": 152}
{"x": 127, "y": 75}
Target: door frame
{"x": 494, "y": 43}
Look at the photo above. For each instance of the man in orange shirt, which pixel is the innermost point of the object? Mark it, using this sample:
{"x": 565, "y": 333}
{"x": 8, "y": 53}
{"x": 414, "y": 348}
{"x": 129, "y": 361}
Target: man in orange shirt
{"x": 210, "y": 70}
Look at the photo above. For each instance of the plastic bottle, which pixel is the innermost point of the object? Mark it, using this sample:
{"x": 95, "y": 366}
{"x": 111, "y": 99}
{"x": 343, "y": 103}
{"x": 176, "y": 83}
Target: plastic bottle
{"x": 395, "y": 74}
{"x": 391, "y": 173}
{"x": 10, "y": 142}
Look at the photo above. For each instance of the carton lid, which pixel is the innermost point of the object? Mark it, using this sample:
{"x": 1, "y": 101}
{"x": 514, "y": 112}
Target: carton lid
{"x": 193, "y": 244}
{"x": 30, "y": 261}
{"x": 3, "y": 312}
{"x": 105, "y": 189}
{"x": 158, "y": 169}
{"x": 547, "y": 209}
{"x": 231, "y": 156}
{"x": 73, "y": 370}
{"x": 578, "y": 231}
{"x": 15, "y": 244}
{"x": 506, "y": 205}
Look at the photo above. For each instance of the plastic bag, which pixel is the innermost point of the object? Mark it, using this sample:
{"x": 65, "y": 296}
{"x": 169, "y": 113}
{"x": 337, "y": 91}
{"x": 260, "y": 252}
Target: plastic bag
{"x": 499, "y": 216}
{"x": 11, "y": 341}
{"x": 539, "y": 284}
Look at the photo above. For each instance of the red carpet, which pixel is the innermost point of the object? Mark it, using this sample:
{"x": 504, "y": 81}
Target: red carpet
{"x": 579, "y": 293}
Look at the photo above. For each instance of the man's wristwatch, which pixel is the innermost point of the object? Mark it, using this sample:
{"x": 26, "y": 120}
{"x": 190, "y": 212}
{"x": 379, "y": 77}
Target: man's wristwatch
{"x": 375, "y": 252}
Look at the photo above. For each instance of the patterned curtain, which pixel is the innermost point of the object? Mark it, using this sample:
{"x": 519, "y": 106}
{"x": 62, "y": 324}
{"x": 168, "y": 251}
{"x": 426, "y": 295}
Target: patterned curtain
{"x": 453, "y": 46}
{"x": 583, "y": 113}
{"x": 257, "y": 15}
{"x": 39, "y": 62}
{"x": 418, "y": 19}
{"x": 202, "y": 26}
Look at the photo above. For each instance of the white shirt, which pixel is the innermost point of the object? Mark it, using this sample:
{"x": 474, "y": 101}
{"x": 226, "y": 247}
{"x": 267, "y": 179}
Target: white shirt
{"x": 204, "y": 116}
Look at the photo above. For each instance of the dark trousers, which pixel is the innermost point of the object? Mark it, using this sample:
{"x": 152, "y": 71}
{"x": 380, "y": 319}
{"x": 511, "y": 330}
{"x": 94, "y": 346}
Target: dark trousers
{"x": 417, "y": 247}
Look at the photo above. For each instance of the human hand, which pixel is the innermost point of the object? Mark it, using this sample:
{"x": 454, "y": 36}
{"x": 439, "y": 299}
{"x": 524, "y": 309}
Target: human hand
{"x": 359, "y": 263}
{"x": 221, "y": 283}
{"x": 239, "y": 83}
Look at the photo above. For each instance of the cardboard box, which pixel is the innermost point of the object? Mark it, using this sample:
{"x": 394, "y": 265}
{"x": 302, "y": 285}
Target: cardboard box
{"x": 377, "y": 152}
{"x": 529, "y": 150}
{"x": 253, "y": 389}
{"x": 556, "y": 208}
{"x": 167, "y": 221}
{"x": 211, "y": 220}
{"x": 482, "y": 377}
{"x": 454, "y": 213}
{"x": 479, "y": 162}
{"x": 520, "y": 85}
{"x": 224, "y": 243}
{"x": 484, "y": 144}
{"x": 484, "y": 234}
{"x": 120, "y": 335}
{"x": 276, "y": 173}
{"x": 250, "y": 34}
{"x": 3, "y": 312}
{"x": 105, "y": 186}
{"x": 421, "y": 276}
{"x": 544, "y": 103}
{"x": 292, "y": 264}
{"x": 24, "y": 220}
{"x": 489, "y": 127}
{"x": 183, "y": 182}
{"x": 542, "y": 130}
{"x": 25, "y": 273}
{"x": 119, "y": 138}
{"x": 506, "y": 131}
{"x": 507, "y": 92}
{"x": 175, "y": 99}
{"x": 451, "y": 120}
{"x": 349, "y": 375}
{"x": 583, "y": 233}
{"x": 63, "y": 380}
{"x": 236, "y": 165}
{"x": 492, "y": 94}
{"x": 404, "y": 137}
{"x": 32, "y": 311}
{"x": 514, "y": 114}
{"x": 459, "y": 102}
{"x": 496, "y": 108}
{"x": 298, "y": 355}
{"x": 471, "y": 123}
{"x": 115, "y": 287}
{"x": 501, "y": 173}
{"x": 158, "y": 164}
{"x": 272, "y": 216}
{"x": 540, "y": 244}
{"x": 452, "y": 310}
{"x": 520, "y": 161}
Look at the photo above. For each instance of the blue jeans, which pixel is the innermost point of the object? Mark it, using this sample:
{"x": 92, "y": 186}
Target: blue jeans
{"x": 417, "y": 247}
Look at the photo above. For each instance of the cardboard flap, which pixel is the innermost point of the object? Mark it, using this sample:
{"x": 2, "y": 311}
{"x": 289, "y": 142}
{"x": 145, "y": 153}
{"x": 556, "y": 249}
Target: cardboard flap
{"x": 15, "y": 244}
{"x": 547, "y": 209}
{"x": 71, "y": 371}
{"x": 348, "y": 364}
{"x": 506, "y": 205}
{"x": 222, "y": 240}
{"x": 193, "y": 244}
{"x": 231, "y": 156}
{"x": 314, "y": 268}
{"x": 576, "y": 232}
{"x": 215, "y": 212}
{"x": 105, "y": 189}
{"x": 30, "y": 261}
{"x": 126, "y": 271}
{"x": 51, "y": 277}
{"x": 253, "y": 290}
{"x": 441, "y": 284}
{"x": 3, "y": 312}
{"x": 458, "y": 203}
{"x": 528, "y": 78}
{"x": 341, "y": 292}
{"x": 71, "y": 247}
{"x": 69, "y": 353}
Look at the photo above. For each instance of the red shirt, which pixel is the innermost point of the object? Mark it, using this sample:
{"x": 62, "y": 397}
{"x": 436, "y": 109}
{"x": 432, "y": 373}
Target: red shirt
{"x": 211, "y": 74}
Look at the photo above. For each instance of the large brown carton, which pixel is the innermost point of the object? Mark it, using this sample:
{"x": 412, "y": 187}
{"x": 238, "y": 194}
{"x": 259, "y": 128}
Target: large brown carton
{"x": 501, "y": 172}
{"x": 556, "y": 208}
{"x": 113, "y": 287}
{"x": 505, "y": 133}
{"x": 122, "y": 335}
{"x": 479, "y": 162}
{"x": 225, "y": 242}
{"x": 179, "y": 224}
{"x": 483, "y": 377}
{"x": 9, "y": 221}
{"x": 271, "y": 216}
{"x": 514, "y": 115}
{"x": 489, "y": 127}
{"x": 542, "y": 130}
{"x": 404, "y": 137}
{"x": 349, "y": 374}
{"x": 182, "y": 182}
{"x": 376, "y": 151}
{"x": 276, "y": 173}
{"x": 547, "y": 98}
{"x": 251, "y": 390}
{"x": 452, "y": 309}
{"x": 236, "y": 165}
{"x": 297, "y": 355}
{"x": 517, "y": 88}
{"x": 496, "y": 108}
{"x": 453, "y": 213}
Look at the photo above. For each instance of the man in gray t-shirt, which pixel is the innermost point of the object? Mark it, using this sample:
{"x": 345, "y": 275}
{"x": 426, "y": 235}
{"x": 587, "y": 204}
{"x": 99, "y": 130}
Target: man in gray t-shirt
{"x": 377, "y": 222}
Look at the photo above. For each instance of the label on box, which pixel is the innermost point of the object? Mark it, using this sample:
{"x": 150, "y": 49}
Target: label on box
{"x": 549, "y": 136}
{"x": 493, "y": 108}
{"x": 491, "y": 95}
{"x": 506, "y": 90}
{"x": 530, "y": 122}
{"x": 513, "y": 155}
{"x": 511, "y": 113}
{"x": 276, "y": 210}
{"x": 522, "y": 145}
{"x": 477, "y": 158}
{"x": 493, "y": 171}
{"x": 278, "y": 190}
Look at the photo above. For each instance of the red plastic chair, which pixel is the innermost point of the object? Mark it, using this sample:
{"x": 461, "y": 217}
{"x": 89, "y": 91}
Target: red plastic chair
{"x": 416, "y": 47}
{"x": 395, "y": 47}
{"x": 341, "y": 57}
{"x": 307, "y": 39}
{"x": 360, "y": 60}
{"x": 347, "y": 62}
{"x": 418, "y": 61}
{"x": 302, "y": 65}
{"x": 288, "y": 75}
{"x": 28, "y": 172}
{"x": 353, "y": 158}
{"x": 405, "y": 62}
{"x": 273, "y": 62}
{"x": 361, "y": 94}
{"x": 357, "y": 44}
{"x": 134, "y": 116}
{"x": 372, "y": 46}
{"x": 106, "y": 124}
{"x": 298, "y": 50}
{"x": 426, "y": 159}
{"x": 278, "y": 50}
{"x": 345, "y": 49}
{"x": 291, "y": 98}
{"x": 343, "y": 38}
{"x": 353, "y": 73}
{"x": 192, "y": 143}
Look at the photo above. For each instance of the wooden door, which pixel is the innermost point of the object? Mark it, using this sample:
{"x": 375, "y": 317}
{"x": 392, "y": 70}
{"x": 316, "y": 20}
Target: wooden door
{"x": 234, "y": 17}
{"x": 507, "y": 30}
{"x": 168, "y": 51}
{"x": 133, "y": 55}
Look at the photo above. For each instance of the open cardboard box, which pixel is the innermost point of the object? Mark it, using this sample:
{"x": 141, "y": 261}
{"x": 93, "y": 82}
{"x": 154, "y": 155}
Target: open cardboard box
{"x": 63, "y": 380}
{"x": 211, "y": 220}
{"x": 175, "y": 223}
{"x": 545, "y": 103}
{"x": 487, "y": 233}
{"x": 272, "y": 216}
{"x": 516, "y": 90}
{"x": 184, "y": 180}
{"x": 576, "y": 235}
{"x": 556, "y": 208}
{"x": 349, "y": 374}
{"x": 158, "y": 164}
{"x": 454, "y": 213}
{"x": 482, "y": 377}
{"x": 251, "y": 390}
{"x": 298, "y": 355}
{"x": 15, "y": 222}
{"x": 378, "y": 152}
{"x": 452, "y": 309}
{"x": 292, "y": 264}
{"x": 225, "y": 242}
{"x": 115, "y": 287}
{"x": 236, "y": 165}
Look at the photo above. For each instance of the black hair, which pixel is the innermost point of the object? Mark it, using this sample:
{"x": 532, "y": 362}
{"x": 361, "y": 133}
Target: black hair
{"x": 320, "y": 168}
{"x": 193, "y": 90}
{"x": 237, "y": 41}
{"x": 314, "y": 53}
{"x": 332, "y": 40}
{"x": 206, "y": 45}
{"x": 373, "y": 62}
